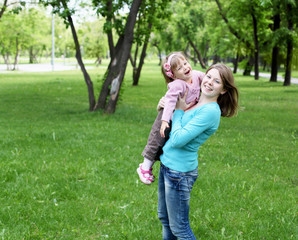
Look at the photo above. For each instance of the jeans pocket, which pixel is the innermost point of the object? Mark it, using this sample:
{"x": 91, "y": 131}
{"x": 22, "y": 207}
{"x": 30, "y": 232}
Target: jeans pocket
{"x": 174, "y": 175}
{"x": 191, "y": 182}
{"x": 173, "y": 179}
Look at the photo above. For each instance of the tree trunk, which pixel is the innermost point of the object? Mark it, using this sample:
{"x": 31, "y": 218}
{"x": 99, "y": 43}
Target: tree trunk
{"x": 31, "y": 55}
{"x": 198, "y": 54}
{"x": 187, "y": 54}
{"x": 232, "y": 30}
{"x": 131, "y": 60}
{"x": 80, "y": 61}
{"x": 235, "y": 62}
{"x": 275, "y": 50}
{"x": 216, "y": 59}
{"x": 137, "y": 74}
{"x": 109, "y": 33}
{"x": 15, "y": 64}
{"x": 287, "y": 81}
{"x": 248, "y": 67}
{"x": 134, "y": 64}
{"x": 98, "y": 61}
{"x": 205, "y": 58}
{"x": 274, "y": 64}
{"x": 159, "y": 52}
{"x": 3, "y": 8}
{"x": 101, "y": 102}
{"x": 115, "y": 74}
{"x": 6, "y": 60}
{"x": 256, "y": 50}
{"x": 141, "y": 63}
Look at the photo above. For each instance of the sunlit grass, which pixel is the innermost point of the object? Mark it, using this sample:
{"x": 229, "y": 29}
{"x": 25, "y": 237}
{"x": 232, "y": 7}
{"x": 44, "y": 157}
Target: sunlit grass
{"x": 67, "y": 173}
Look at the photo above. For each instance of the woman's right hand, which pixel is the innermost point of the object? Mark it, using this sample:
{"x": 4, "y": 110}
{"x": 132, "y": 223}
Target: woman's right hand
{"x": 181, "y": 103}
{"x": 161, "y": 104}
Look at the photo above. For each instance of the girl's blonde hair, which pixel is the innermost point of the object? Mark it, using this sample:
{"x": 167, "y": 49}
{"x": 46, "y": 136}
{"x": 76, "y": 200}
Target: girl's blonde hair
{"x": 228, "y": 102}
{"x": 176, "y": 57}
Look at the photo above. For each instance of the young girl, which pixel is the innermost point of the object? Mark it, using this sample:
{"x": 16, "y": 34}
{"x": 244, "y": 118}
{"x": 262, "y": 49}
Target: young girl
{"x": 179, "y": 76}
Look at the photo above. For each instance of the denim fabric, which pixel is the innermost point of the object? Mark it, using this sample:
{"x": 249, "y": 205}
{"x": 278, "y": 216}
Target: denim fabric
{"x": 173, "y": 202}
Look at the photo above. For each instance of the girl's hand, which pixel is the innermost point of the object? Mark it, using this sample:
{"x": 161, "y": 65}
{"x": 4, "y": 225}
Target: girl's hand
{"x": 163, "y": 127}
{"x": 161, "y": 104}
{"x": 181, "y": 103}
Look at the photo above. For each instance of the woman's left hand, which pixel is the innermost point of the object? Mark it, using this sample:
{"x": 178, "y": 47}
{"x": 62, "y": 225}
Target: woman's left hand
{"x": 181, "y": 103}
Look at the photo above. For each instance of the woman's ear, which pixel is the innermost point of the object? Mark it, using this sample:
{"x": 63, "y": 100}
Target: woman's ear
{"x": 223, "y": 92}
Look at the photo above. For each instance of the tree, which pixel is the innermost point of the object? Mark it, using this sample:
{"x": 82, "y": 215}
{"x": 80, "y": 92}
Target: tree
{"x": 189, "y": 18}
{"x": 243, "y": 8}
{"x": 256, "y": 40}
{"x": 14, "y": 37}
{"x": 291, "y": 19}
{"x": 37, "y": 26}
{"x": 94, "y": 40}
{"x": 119, "y": 56}
{"x": 155, "y": 42}
{"x": 275, "y": 49}
{"x": 150, "y": 16}
{"x": 3, "y": 8}
{"x": 239, "y": 35}
{"x": 61, "y": 8}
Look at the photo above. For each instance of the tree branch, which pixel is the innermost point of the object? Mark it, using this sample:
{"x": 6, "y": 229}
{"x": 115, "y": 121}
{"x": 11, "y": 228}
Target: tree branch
{"x": 3, "y": 8}
{"x": 232, "y": 30}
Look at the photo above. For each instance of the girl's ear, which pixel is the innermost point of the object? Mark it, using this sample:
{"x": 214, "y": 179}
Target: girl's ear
{"x": 174, "y": 76}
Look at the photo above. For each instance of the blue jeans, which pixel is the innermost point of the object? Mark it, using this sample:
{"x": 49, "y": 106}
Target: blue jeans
{"x": 173, "y": 202}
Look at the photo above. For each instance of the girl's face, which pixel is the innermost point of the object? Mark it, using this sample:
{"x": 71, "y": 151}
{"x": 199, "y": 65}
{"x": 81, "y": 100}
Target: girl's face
{"x": 183, "y": 70}
{"x": 212, "y": 85}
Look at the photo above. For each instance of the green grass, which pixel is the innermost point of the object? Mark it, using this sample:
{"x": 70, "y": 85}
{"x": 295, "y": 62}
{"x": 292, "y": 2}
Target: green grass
{"x": 66, "y": 173}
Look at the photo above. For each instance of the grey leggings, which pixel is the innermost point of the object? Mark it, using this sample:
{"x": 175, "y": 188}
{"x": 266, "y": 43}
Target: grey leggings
{"x": 155, "y": 142}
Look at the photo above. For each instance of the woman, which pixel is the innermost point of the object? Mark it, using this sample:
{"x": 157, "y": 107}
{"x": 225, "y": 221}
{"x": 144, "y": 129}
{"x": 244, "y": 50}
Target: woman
{"x": 190, "y": 129}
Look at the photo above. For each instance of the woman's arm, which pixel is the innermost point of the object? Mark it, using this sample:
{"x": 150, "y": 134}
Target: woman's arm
{"x": 204, "y": 119}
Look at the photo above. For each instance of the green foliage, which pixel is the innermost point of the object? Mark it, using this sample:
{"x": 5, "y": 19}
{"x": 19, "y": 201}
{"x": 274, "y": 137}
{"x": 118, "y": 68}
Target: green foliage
{"x": 202, "y": 22}
{"x": 93, "y": 39}
{"x": 70, "y": 174}
{"x": 18, "y": 8}
{"x": 15, "y": 33}
{"x": 112, "y": 10}
{"x": 60, "y": 7}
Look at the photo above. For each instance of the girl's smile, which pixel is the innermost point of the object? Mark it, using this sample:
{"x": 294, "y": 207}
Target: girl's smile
{"x": 183, "y": 71}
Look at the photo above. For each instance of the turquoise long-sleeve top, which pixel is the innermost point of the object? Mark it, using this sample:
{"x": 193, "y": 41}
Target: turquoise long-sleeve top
{"x": 189, "y": 131}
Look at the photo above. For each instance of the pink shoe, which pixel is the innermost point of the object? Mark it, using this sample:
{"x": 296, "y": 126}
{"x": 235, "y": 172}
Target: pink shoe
{"x": 147, "y": 180}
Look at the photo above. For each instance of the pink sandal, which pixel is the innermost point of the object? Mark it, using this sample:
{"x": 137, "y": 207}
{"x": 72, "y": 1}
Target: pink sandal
{"x": 147, "y": 180}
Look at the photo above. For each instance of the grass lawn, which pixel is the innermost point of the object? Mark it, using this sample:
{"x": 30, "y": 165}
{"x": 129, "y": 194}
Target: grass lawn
{"x": 66, "y": 173}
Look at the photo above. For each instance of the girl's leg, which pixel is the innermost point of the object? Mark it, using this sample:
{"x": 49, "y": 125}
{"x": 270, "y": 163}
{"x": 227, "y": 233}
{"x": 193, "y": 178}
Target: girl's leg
{"x": 152, "y": 151}
{"x": 162, "y": 208}
{"x": 178, "y": 186}
{"x": 155, "y": 142}
{"x": 145, "y": 171}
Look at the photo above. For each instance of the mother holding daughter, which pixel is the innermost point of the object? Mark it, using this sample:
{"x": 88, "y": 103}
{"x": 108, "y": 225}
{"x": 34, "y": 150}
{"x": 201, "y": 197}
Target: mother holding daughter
{"x": 191, "y": 127}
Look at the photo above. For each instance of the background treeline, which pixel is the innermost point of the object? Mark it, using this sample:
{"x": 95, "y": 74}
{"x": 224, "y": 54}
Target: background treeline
{"x": 254, "y": 35}
{"x": 28, "y": 34}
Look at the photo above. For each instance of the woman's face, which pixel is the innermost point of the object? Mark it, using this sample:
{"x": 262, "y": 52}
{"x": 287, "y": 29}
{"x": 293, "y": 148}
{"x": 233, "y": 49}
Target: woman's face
{"x": 212, "y": 85}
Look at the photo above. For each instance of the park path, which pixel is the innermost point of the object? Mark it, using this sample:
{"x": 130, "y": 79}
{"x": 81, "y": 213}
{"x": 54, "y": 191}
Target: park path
{"x": 42, "y": 67}
{"x": 65, "y": 67}
{"x": 279, "y": 78}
